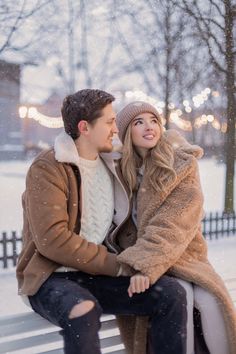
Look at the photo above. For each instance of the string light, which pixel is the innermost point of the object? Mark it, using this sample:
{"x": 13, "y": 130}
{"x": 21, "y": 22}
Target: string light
{"x": 23, "y": 111}
{"x": 224, "y": 128}
{"x": 46, "y": 121}
{"x": 175, "y": 114}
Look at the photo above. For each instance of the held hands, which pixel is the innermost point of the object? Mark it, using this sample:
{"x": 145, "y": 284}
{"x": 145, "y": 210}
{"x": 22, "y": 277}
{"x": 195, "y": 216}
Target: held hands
{"x": 138, "y": 284}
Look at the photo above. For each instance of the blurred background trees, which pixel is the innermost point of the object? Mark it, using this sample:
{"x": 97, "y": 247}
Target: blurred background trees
{"x": 179, "y": 55}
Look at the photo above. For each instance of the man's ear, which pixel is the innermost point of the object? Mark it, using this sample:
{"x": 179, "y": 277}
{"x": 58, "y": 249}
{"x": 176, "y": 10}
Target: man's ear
{"x": 83, "y": 127}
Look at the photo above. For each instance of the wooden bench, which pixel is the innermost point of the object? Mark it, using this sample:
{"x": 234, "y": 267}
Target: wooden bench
{"x": 29, "y": 333}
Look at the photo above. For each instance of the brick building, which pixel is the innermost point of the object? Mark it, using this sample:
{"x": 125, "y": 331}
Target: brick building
{"x": 10, "y": 125}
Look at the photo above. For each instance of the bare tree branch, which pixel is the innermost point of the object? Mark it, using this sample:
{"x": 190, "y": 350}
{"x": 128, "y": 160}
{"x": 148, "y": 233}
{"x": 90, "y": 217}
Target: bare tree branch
{"x": 13, "y": 28}
{"x": 205, "y": 35}
{"x": 125, "y": 44}
{"x": 217, "y": 7}
{"x": 208, "y": 33}
{"x": 18, "y": 19}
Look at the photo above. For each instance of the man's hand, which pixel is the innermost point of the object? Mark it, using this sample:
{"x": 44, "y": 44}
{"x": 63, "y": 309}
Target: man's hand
{"x": 138, "y": 284}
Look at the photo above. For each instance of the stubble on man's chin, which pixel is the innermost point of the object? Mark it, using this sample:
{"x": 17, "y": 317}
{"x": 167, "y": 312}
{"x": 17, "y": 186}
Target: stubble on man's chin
{"x": 106, "y": 149}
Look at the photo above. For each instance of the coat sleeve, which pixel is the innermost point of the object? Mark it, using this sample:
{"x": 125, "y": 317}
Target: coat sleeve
{"x": 169, "y": 232}
{"x": 46, "y": 207}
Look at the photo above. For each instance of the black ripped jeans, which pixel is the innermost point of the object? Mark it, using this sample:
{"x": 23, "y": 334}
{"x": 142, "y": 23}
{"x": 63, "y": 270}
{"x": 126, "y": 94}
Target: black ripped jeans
{"x": 164, "y": 303}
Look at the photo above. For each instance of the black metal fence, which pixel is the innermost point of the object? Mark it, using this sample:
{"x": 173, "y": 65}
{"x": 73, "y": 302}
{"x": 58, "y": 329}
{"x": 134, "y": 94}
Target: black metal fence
{"x": 214, "y": 226}
{"x": 10, "y": 245}
{"x": 218, "y": 225}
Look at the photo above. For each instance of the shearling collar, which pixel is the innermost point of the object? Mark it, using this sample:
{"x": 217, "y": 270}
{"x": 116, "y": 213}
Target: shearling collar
{"x": 65, "y": 149}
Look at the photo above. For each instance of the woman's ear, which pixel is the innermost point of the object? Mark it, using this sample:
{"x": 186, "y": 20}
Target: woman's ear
{"x": 83, "y": 127}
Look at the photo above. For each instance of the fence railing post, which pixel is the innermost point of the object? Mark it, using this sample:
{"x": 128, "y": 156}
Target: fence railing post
{"x": 14, "y": 250}
{"x": 4, "y": 249}
{"x": 234, "y": 223}
{"x": 210, "y": 225}
{"x": 216, "y": 224}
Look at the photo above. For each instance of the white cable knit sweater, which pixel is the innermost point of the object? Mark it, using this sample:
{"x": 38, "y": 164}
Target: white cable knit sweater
{"x": 97, "y": 200}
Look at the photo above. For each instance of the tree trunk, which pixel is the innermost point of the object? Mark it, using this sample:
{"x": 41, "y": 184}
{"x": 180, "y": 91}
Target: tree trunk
{"x": 71, "y": 54}
{"x": 231, "y": 109}
{"x": 168, "y": 68}
{"x": 84, "y": 43}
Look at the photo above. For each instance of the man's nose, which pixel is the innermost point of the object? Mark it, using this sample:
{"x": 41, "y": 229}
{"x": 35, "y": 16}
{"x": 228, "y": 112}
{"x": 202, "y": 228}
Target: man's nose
{"x": 115, "y": 129}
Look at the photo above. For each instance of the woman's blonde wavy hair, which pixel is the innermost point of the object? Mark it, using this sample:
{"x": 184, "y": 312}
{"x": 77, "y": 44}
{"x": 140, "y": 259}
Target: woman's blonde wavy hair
{"x": 158, "y": 163}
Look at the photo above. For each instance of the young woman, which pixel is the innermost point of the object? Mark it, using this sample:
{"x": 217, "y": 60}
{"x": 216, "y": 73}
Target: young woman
{"x": 163, "y": 234}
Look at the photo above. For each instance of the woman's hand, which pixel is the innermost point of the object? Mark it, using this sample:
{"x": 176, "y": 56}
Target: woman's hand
{"x": 138, "y": 284}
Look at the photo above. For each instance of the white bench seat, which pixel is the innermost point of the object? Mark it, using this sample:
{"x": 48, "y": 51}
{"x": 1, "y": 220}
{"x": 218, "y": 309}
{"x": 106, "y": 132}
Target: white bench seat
{"x": 29, "y": 331}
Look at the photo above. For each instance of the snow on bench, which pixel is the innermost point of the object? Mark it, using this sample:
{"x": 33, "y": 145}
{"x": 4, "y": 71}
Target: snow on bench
{"x": 29, "y": 333}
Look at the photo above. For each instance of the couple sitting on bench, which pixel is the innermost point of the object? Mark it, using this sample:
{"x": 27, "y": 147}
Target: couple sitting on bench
{"x": 121, "y": 234}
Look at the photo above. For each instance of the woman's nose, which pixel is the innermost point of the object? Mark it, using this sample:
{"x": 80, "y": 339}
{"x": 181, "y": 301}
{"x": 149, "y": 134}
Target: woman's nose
{"x": 149, "y": 126}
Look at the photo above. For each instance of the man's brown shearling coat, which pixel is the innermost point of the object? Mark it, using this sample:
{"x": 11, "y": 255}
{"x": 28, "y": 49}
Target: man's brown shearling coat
{"x": 51, "y": 232}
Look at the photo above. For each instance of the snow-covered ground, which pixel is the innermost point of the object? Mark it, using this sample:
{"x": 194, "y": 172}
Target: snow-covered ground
{"x": 12, "y": 182}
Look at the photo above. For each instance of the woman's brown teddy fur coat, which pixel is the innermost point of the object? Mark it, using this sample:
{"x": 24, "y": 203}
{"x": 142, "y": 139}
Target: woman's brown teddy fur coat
{"x": 169, "y": 240}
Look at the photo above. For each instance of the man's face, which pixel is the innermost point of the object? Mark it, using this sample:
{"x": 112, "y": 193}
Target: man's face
{"x": 100, "y": 134}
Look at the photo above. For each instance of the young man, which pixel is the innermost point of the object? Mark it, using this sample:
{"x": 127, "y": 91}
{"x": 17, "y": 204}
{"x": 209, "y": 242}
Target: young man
{"x": 72, "y": 202}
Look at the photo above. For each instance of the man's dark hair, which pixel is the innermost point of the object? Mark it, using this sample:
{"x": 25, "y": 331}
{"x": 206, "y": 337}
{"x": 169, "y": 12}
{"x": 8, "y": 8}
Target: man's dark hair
{"x": 83, "y": 105}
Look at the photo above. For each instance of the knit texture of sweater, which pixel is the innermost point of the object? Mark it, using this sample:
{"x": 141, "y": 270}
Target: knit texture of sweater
{"x": 97, "y": 200}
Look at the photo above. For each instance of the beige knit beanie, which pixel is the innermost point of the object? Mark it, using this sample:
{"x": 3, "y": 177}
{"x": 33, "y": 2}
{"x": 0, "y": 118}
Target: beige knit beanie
{"x": 125, "y": 115}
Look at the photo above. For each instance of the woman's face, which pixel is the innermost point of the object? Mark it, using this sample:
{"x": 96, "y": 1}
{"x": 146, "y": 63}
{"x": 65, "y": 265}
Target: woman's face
{"x": 145, "y": 132}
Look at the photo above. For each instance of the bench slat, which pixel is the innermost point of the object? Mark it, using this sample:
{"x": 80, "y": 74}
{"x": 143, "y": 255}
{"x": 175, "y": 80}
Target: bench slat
{"x": 27, "y": 316}
{"x": 24, "y": 343}
{"x": 32, "y": 321}
{"x": 29, "y": 330}
{"x": 115, "y": 351}
{"x": 60, "y": 351}
{"x": 48, "y": 338}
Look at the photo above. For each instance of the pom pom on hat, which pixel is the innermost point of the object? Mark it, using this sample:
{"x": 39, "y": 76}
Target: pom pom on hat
{"x": 127, "y": 114}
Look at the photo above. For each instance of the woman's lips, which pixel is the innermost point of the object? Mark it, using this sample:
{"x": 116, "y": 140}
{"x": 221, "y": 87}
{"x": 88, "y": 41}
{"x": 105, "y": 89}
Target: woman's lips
{"x": 148, "y": 136}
